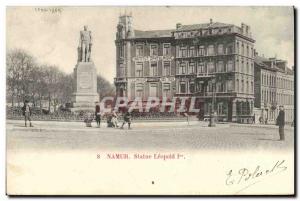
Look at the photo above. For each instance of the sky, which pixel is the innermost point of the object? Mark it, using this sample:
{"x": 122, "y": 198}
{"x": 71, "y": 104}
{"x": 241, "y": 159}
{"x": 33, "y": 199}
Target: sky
{"x": 53, "y": 37}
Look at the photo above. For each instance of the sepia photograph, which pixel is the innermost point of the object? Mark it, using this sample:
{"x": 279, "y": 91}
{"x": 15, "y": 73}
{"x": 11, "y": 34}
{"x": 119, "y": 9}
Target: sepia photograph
{"x": 150, "y": 100}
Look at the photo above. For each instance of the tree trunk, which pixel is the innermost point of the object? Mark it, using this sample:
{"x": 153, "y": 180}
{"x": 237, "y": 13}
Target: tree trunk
{"x": 18, "y": 99}
{"x": 33, "y": 100}
{"x": 49, "y": 103}
{"x": 41, "y": 108}
{"x": 12, "y": 100}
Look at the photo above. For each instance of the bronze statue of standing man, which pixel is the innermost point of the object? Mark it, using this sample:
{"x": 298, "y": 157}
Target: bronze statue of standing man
{"x": 85, "y": 45}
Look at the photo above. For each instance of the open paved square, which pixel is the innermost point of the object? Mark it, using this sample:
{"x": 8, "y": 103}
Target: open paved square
{"x": 50, "y": 135}
{"x": 53, "y": 151}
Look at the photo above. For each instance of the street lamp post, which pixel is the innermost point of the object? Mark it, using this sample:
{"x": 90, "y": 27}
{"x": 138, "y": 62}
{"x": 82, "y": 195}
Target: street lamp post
{"x": 212, "y": 120}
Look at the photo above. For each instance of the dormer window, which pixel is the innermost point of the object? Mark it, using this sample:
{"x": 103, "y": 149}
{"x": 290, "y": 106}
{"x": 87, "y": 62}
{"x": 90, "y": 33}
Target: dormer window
{"x": 153, "y": 50}
{"x": 167, "y": 49}
{"x": 139, "y": 50}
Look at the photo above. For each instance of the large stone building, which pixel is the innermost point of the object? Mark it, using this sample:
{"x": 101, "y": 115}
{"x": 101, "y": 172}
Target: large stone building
{"x": 212, "y": 61}
{"x": 274, "y": 86}
{"x": 145, "y": 61}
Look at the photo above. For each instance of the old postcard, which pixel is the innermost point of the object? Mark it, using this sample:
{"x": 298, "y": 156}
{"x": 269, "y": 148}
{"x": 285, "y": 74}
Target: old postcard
{"x": 163, "y": 100}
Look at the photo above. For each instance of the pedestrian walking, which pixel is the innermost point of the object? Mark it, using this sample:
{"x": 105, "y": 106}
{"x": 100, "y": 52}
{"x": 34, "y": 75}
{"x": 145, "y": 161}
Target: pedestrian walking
{"x": 27, "y": 113}
{"x": 280, "y": 122}
{"x": 98, "y": 114}
{"x": 127, "y": 119}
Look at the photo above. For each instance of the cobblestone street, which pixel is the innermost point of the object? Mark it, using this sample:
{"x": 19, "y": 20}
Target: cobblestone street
{"x": 146, "y": 135}
{"x": 52, "y": 150}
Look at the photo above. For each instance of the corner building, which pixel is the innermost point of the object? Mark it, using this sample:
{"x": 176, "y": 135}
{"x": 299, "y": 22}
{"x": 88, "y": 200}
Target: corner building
{"x": 212, "y": 61}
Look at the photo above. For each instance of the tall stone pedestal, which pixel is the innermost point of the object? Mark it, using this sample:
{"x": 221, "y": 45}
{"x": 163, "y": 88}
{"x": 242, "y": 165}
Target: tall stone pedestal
{"x": 85, "y": 95}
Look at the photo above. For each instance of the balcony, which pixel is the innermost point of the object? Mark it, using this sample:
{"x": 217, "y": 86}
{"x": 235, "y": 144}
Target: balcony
{"x": 206, "y": 75}
{"x": 216, "y": 94}
{"x": 120, "y": 79}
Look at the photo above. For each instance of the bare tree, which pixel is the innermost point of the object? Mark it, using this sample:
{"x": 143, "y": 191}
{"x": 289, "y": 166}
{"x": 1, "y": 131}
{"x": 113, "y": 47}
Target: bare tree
{"x": 28, "y": 80}
{"x": 20, "y": 65}
{"x": 52, "y": 78}
{"x": 104, "y": 88}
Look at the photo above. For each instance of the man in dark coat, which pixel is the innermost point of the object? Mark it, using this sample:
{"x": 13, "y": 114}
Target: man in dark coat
{"x": 27, "y": 113}
{"x": 280, "y": 122}
{"x": 127, "y": 119}
{"x": 98, "y": 114}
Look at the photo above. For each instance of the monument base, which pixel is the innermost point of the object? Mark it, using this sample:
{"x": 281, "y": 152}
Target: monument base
{"x": 84, "y": 102}
{"x": 86, "y": 87}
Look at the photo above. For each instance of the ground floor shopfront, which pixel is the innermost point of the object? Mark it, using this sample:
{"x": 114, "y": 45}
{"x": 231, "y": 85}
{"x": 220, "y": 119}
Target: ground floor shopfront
{"x": 268, "y": 114}
{"x": 227, "y": 109}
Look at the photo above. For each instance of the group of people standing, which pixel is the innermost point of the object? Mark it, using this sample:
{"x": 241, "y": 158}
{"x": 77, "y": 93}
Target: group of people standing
{"x": 112, "y": 119}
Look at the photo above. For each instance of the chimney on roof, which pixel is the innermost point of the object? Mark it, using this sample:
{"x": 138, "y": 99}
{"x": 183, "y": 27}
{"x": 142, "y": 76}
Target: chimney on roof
{"x": 210, "y": 21}
{"x": 255, "y": 53}
{"x": 243, "y": 28}
{"x": 272, "y": 63}
{"x": 178, "y": 25}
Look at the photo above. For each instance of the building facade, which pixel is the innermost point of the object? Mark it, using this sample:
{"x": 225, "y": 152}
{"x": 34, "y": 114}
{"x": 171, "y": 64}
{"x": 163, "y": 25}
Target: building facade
{"x": 145, "y": 62}
{"x": 211, "y": 61}
{"x": 274, "y": 86}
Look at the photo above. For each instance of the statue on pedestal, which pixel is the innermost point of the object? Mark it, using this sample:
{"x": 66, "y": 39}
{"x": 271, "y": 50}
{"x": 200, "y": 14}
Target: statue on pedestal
{"x": 85, "y": 75}
{"x": 85, "y": 45}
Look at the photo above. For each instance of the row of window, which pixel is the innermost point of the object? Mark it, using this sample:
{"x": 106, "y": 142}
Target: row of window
{"x": 244, "y": 50}
{"x": 202, "y": 32}
{"x": 153, "y": 90}
{"x": 201, "y": 50}
{"x": 153, "y": 50}
{"x": 268, "y": 80}
{"x": 224, "y": 86}
{"x": 273, "y": 81}
{"x": 153, "y": 70}
{"x": 244, "y": 66}
{"x": 187, "y": 68}
{"x": 212, "y": 67}
{"x": 285, "y": 83}
{"x": 193, "y": 51}
{"x": 244, "y": 86}
{"x": 272, "y": 97}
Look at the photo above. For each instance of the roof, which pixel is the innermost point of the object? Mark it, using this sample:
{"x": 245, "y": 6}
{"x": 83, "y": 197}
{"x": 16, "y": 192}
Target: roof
{"x": 202, "y": 26}
{"x": 266, "y": 63}
{"x": 260, "y": 60}
{"x": 153, "y": 33}
{"x": 289, "y": 71}
{"x": 168, "y": 32}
